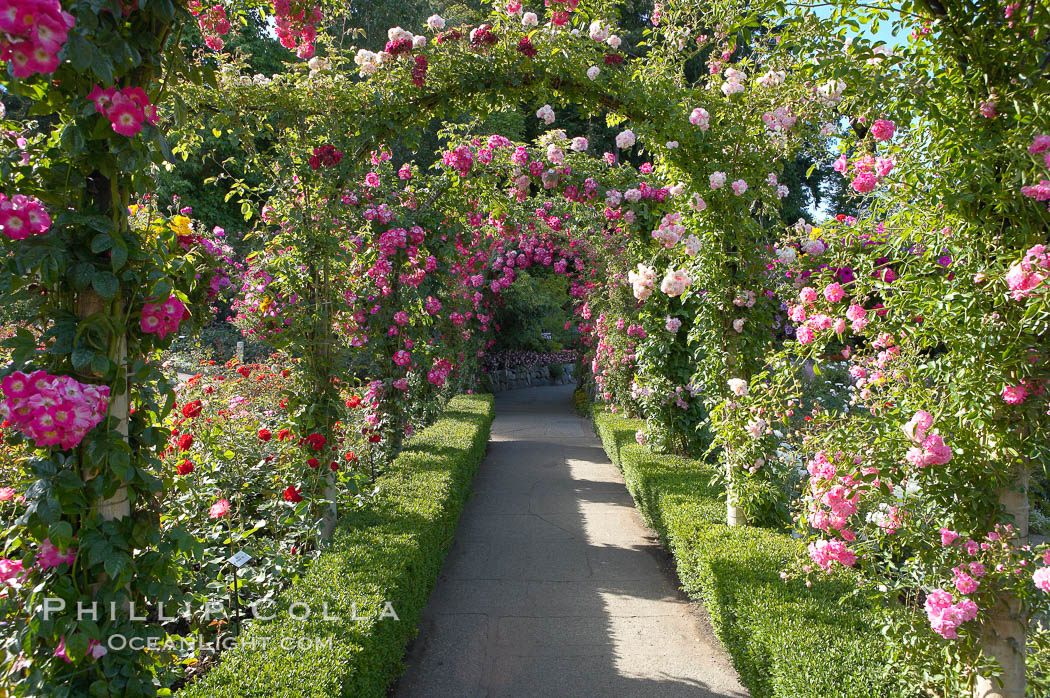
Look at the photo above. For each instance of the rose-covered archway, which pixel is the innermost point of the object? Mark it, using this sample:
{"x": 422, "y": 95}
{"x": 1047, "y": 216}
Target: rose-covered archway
{"x": 380, "y": 275}
{"x": 367, "y": 270}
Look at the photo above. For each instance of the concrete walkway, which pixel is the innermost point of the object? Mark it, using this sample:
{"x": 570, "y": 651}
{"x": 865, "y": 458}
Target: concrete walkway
{"x": 553, "y": 585}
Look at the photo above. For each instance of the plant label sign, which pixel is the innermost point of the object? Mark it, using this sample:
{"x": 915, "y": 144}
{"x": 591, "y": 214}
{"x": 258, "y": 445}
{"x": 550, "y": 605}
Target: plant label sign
{"x": 238, "y": 559}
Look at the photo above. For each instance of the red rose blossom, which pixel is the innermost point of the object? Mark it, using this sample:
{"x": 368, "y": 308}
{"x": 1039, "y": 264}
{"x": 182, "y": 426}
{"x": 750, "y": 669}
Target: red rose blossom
{"x": 316, "y": 441}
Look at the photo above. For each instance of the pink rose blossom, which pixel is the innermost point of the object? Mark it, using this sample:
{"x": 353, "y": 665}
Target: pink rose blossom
{"x": 1014, "y": 394}
{"x": 48, "y": 555}
{"x": 864, "y": 182}
{"x": 1041, "y": 577}
{"x": 219, "y": 509}
{"x": 883, "y": 130}
{"x": 1041, "y": 144}
{"x": 834, "y": 292}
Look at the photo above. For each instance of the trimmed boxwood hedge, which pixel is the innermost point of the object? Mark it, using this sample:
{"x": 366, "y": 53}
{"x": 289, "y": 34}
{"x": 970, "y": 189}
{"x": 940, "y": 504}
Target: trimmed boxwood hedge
{"x": 391, "y": 551}
{"x": 785, "y": 639}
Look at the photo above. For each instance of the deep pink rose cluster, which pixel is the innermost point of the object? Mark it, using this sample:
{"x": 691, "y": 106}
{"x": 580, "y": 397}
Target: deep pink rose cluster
{"x": 835, "y": 497}
{"x": 32, "y": 32}
{"x": 212, "y": 21}
{"x": 827, "y": 552}
{"x": 811, "y": 325}
{"x": 22, "y": 216}
{"x": 1029, "y": 274}
{"x": 162, "y": 319}
{"x": 296, "y": 26}
{"x": 461, "y": 158}
{"x": 51, "y": 409}
{"x": 440, "y": 372}
{"x": 325, "y": 156}
{"x": 931, "y": 449}
{"x": 867, "y": 171}
{"x": 945, "y": 615}
{"x": 126, "y": 109}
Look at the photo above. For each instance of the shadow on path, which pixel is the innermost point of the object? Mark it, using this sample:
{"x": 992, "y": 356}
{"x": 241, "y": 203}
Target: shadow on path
{"x": 553, "y": 586}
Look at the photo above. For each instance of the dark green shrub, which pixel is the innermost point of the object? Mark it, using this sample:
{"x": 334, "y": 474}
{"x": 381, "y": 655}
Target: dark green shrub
{"x": 786, "y": 640}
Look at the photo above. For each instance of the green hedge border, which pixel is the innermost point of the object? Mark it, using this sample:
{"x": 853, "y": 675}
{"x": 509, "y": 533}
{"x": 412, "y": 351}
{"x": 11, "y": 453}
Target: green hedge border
{"x": 785, "y": 639}
{"x": 392, "y": 551}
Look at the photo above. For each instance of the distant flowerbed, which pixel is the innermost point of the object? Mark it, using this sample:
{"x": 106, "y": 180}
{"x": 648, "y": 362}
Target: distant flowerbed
{"x": 504, "y": 360}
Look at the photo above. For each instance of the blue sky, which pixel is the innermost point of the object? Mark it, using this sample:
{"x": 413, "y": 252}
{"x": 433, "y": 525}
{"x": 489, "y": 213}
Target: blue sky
{"x": 884, "y": 33}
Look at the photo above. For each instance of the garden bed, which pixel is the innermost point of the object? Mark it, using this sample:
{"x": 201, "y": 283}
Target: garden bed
{"x": 391, "y": 551}
{"x": 785, "y": 639}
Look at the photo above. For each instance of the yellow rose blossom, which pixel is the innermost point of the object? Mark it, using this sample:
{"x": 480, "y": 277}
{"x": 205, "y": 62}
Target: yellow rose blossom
{"x": 180, "y": 225}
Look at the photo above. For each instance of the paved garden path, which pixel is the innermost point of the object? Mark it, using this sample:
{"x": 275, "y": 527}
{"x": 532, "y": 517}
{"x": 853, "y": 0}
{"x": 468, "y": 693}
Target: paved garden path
{"x": 553, "y": 585}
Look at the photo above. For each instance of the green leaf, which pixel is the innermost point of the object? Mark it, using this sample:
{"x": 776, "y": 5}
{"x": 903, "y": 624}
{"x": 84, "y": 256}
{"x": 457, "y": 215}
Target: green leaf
{"x": 102, "y": 67}
{"x": 119, "y": 463}
{"x": 100, "y": 364}
{"x": 72, "y": 139}
{"x": 180, "y": 110}
{"x": 116, "y": 564}
{"x": 79, "y": 51}
{"x": 118, "y": 256}
{"x": 81, "y": 275}
{"x": 105, "y": 284}
{"x": 101, "y": 242}
{"x": 165, "y": 148}
{"x": 60, "y": 533}
{"x": 82, "y": 357}
{"x": 77, "y": 643}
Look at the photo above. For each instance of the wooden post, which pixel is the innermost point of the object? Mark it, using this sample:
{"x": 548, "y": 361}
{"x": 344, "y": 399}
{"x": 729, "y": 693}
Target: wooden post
{"x": 331, "y": 493}
{"x": 734, "y": 512}
{"x": 1005, "y": 634}
{"x": 118, "y": 506}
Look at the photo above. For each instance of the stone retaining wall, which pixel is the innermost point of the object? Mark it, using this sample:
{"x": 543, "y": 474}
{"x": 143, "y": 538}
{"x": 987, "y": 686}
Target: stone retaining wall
{"x": 522, "y": 377}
